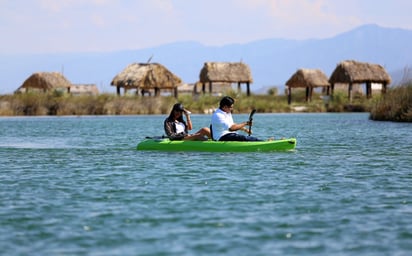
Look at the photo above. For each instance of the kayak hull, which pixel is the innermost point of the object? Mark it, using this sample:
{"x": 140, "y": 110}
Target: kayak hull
{"x": 165, "y": 144}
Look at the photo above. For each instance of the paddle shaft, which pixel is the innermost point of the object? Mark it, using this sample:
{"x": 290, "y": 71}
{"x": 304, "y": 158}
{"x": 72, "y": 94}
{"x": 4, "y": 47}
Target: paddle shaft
{"x": 250, "y": 121}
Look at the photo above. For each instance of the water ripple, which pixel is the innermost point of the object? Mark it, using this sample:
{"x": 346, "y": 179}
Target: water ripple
{"x": 83, "y": 189}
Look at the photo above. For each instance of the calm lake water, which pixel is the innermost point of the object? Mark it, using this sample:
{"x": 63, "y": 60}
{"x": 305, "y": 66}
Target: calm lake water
{"x": 78, "y": 186}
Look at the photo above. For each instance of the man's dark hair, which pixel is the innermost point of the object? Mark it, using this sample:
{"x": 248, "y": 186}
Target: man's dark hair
{"x": 226, "y": 101}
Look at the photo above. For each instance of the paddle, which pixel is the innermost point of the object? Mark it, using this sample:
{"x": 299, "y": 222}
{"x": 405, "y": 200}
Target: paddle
{"x": 250, "y": 121}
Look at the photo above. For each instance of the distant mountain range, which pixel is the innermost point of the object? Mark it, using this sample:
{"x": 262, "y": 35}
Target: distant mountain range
{"x": 272, "y": 61}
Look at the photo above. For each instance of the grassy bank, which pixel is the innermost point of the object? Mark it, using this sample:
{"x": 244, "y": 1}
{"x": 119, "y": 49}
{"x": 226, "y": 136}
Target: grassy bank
{"x": 32, "y": 104}
{"x": 396, "y": 105}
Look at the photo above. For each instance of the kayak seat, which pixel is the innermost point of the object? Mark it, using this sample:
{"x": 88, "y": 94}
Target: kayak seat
{"x": 211, "y": 131}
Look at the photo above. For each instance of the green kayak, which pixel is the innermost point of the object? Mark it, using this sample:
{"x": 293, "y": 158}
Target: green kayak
{"x": 165, "y": 144}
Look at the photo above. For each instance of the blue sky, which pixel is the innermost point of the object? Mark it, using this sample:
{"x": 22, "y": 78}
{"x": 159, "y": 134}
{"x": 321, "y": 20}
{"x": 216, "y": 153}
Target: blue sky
{"x": 49, "y": 26}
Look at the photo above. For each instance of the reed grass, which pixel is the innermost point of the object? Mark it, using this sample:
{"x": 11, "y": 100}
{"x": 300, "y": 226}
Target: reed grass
{"x": 29, "y": 104}
{"x": 395, "y": 105}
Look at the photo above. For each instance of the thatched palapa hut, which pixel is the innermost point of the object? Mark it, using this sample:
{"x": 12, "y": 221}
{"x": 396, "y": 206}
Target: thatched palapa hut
{"x": 353, "y": 72}
{"x": 225, "y": 72}
{"x": 196, "y": 88}
{"x": 146, "y": 77}
{"x": 45, "y": 82}
{"x": 309, "y": 79}
{"x": 219, "y": 88}
{"x": 84, "y": 89}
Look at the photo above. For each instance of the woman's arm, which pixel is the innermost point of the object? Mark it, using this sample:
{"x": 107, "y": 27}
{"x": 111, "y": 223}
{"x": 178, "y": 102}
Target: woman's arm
{"x": 189, "y": 122}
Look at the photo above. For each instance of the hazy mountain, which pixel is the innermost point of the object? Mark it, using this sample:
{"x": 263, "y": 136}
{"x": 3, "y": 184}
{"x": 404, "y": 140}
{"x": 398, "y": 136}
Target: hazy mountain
{"x": 272, "y": 61}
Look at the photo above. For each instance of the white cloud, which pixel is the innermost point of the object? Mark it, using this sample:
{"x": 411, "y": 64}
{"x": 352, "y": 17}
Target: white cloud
{"x": 87, "y": 25}
{"x": 57, "y": 6}
{"x": 97, "y": 20}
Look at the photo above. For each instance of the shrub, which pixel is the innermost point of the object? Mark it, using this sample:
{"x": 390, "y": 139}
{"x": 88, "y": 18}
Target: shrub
{"x": 395, "y": 105}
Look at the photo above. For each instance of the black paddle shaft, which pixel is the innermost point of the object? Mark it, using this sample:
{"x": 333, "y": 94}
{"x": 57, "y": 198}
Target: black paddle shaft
{"x": 250, "y": 121}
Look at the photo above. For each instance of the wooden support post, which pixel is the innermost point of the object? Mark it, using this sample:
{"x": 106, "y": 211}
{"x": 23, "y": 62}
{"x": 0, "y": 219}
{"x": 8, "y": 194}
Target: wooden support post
{"x": 238, "y": 87}
{"x": 175, "y": 92}
{"x": 350, "y": 92}
{"x": 118, "y": 90}
{"x": 289, "y": 95}
{"x": 368, "y": 90}
{"x": 247, "y": 88}
{"x": 203, "y": 88}
{"x": 307, "y": 93}
{"x": 310, "y": 93}
{"x": 384, "y": 86}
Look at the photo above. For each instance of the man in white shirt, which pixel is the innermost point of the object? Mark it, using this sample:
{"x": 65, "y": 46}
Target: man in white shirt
{"x": 223, "y": 127}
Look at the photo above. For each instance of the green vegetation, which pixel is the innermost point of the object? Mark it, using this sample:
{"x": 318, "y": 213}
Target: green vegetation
{"x": 31, "y": 104}
{"x": 396, "y": 105}
{"x": 57, "y": 103}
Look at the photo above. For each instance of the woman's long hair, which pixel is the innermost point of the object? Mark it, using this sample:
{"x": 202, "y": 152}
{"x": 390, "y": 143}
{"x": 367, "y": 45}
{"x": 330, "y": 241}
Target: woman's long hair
{"x": 177, "y": 107}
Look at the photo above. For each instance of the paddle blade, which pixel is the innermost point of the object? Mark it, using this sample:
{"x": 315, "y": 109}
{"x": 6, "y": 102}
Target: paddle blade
{"x": 251, "y": 114}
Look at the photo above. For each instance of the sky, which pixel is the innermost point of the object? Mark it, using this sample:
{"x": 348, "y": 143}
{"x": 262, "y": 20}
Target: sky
{"x": 57, "y": 26}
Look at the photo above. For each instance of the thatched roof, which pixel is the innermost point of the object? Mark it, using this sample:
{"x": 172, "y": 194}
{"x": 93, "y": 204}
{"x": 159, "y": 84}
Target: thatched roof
{"x": 308, "y": 78}
{"x": 351, "y": 71}
{"x": 46, "y": 81}
{"x": 146, "y": 76}
{"x": 225, "y": 72}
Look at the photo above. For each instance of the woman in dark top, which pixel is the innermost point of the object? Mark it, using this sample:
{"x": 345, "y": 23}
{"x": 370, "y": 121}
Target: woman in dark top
{"x": 177, "y": 129}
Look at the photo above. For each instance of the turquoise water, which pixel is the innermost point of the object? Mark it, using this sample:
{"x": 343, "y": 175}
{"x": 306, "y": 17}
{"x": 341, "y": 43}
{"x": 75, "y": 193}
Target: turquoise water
{"x": 77, "y": 186}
